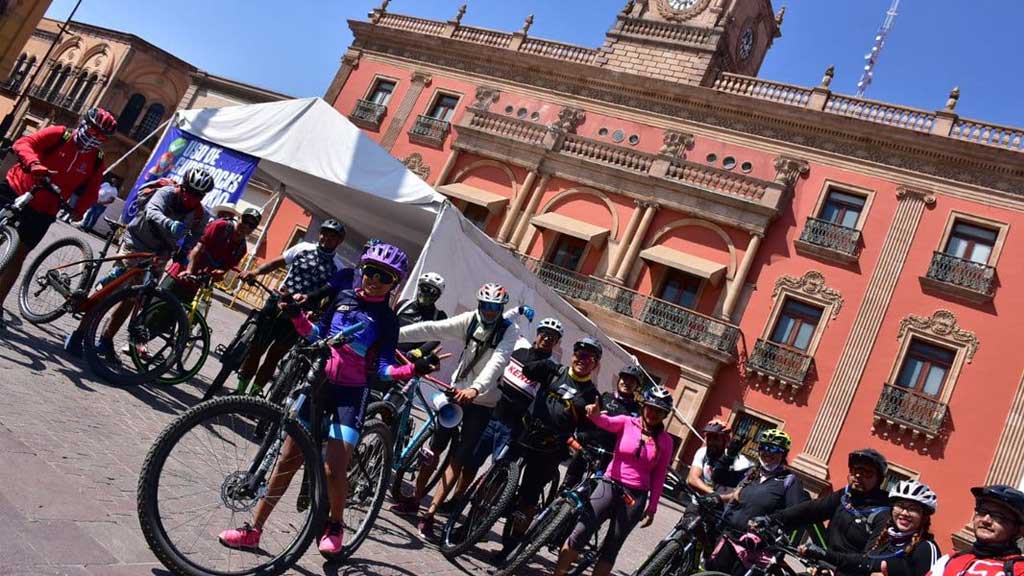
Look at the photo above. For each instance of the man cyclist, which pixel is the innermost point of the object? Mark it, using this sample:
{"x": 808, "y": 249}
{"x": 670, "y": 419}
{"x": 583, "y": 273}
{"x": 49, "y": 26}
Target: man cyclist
{"x": 421, "y": 308}
{"x": 489, "y": 341}
{"x": 73, "y": 161}
{"x": 622, "y": 402}
{"x": 310, "y": 267}
{"x": 556, "y": 413}
{"x": 718, "y": 466}
{"x": 997, "y": 524}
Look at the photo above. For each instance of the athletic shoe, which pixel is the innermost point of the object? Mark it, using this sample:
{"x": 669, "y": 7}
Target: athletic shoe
{"x": 426, "y": 527}
{"x": 406, "y": 507}
{"x": 447, "y": 507}
{"x": 105, "y": 348}
{"x": 331, "y": 541}
{"x": 244, "y": 538}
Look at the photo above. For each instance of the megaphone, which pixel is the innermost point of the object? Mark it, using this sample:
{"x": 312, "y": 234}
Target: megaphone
{"x": 449, "y": 414}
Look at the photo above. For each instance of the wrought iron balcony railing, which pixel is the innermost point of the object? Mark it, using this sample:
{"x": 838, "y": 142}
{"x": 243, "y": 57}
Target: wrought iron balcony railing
{"x": 430, "y": 131}
{"x": 972, "y": 276}
{"x": 776, "y": 361}
{"x": 903, "y": 407}
{"x": 692, "y": 326}
{"x": 368, "y": 114}
{"x": 843, "y": 241}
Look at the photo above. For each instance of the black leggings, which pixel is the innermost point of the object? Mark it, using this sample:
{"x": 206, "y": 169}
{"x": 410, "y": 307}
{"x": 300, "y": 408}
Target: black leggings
{"x": 609, "y": 502}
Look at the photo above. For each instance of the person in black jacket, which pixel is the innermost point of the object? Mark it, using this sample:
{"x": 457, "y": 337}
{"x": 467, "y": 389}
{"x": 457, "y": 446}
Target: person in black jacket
{"x": 768, "y": 487}
{"x": 422, "y": 308}
{"x": 855, "y": 513}
{"x": 905, "y": 546}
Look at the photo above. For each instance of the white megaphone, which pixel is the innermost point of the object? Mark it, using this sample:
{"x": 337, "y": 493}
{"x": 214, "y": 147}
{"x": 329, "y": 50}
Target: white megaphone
{"x": 449, "y": 414}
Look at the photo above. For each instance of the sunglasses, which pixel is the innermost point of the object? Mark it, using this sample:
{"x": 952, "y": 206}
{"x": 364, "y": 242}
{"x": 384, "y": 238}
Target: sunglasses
{"x": 770, "y": 449}
{"x": 491, "y": 307}
{"x": 585, "y": 355}
{"x": 195, "y": 193}
{"x": 430, "y": 292}
{"x": 998, "y": 516}
{"x": 379, "y": 274}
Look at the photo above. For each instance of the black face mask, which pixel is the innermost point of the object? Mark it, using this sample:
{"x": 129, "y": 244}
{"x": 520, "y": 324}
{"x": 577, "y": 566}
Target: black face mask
{"x": 994, "y": 549}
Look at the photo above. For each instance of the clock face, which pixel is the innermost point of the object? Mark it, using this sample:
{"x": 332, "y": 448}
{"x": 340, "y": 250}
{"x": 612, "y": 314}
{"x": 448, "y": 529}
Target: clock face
{"x": 682, "y": 4}
{"x": 746, "y": 43}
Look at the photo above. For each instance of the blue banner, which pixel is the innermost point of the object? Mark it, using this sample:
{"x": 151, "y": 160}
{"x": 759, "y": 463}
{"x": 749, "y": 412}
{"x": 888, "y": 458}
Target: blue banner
{"x": 178, "y": 151}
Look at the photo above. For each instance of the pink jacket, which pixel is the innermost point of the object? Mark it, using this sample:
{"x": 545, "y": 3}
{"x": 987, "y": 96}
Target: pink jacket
{"x": 646, "y": 472}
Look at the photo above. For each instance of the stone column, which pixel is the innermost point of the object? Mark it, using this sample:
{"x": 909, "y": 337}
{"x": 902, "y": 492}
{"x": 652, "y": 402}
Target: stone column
{"x": 517, "y": 203}
{"x": 626, "y": 240}
{"x": 735, "y": 287}
{"x": 349, "y": 62}
{"x": 1008, "y": 462}
{"x": 634, "y": 245}
{"x": 531, "y": 209}
{"x": 420, "y": 80}
{"x": 446, "y": 170}
{"x": 850, "y": 367}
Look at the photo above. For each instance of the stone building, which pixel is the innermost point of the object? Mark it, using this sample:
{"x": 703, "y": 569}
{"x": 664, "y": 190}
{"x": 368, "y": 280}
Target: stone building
{"x": 777, "y": 255}
{"x": 18, "y": 19}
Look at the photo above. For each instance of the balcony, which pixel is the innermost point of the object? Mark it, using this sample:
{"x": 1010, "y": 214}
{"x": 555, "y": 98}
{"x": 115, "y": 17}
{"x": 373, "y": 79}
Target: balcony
{"x": 776, "y": 362}
{"x": 830, "y": 241}
{"x": 959, "y": 278}
{"x": 903, "y": 409}
{"x": 429, "y": 131}
{"x": 368, "y": 114}
{"x": 709, "y": 333}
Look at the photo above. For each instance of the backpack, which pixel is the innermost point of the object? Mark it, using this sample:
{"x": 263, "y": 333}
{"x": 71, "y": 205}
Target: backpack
{"x": 64, "y": 139}
{"x": 493, "y": 339}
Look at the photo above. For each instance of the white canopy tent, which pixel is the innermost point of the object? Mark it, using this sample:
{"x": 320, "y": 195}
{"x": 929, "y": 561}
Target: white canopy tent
{"x": 331, "y": 168}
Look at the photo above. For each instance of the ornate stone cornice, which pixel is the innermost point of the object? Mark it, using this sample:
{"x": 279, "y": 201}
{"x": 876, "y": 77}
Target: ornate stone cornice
{"x": 422, "y": 78}
{"x": 813, "y": 284}
{"x": 675, "y": 143}
{"x": 942, "y": 324}
{"x": 351, "y": 58}
{"x": 788, "y": 169}
{"x": 569, "y": 119}
{"x": 484, "y": 97}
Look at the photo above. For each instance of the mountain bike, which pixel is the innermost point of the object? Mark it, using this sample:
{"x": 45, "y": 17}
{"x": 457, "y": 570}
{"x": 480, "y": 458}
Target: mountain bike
{"x": 10, "y": 215}
{"x": 680, "y": 552}
{"x": 209, "y": 469}
{"x": 767, "y": 548}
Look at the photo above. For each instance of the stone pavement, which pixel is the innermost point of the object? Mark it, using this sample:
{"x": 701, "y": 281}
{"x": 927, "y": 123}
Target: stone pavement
{"x": 71, "y": 447}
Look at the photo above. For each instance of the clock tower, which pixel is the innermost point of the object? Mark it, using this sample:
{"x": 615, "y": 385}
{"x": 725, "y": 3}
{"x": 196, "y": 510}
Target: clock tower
{"x": 691, "y": 41}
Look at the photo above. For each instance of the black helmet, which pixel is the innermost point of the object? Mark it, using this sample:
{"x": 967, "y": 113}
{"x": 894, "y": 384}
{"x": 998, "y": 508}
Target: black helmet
{"x": 253, "y": 215}
{"x": 334, "y": 226}
{"x": 634, "y": 371}
{"x": 658, "y": 397}
{"x": 1001, "y": 493}
{"x": 589, "y": 342}
{"x": 871, "y": 457}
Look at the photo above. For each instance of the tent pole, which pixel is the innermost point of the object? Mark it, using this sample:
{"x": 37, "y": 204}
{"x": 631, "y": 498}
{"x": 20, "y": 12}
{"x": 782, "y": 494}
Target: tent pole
{"x": 165, "y": 126}
{"x": 269, "y": 220}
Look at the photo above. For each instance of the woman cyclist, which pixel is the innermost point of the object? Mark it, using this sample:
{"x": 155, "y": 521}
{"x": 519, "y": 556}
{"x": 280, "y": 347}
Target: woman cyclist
{"x": 632, "y": 485}
{"x": 905, "y": 545}
{"x": 372, "y": 350}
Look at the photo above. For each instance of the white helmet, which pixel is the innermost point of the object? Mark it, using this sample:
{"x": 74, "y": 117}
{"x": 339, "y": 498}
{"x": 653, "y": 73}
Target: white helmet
{"x": 492, "y": 294}
{"x": 916, "y": 491}
{"x": 550, "y": 324}
{"x": 432, "y": 279}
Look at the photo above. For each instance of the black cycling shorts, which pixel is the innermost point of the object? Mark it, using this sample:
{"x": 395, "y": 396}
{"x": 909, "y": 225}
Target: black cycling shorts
{"x": 32, "y": 226}
{"x": 474, "y": 421}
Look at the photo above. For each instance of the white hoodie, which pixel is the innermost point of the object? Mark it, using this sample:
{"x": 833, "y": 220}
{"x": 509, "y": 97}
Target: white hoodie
{"x": 485, "y": 374}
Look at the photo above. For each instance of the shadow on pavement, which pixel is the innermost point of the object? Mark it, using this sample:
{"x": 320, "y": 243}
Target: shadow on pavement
{"x": 365, "y": 568}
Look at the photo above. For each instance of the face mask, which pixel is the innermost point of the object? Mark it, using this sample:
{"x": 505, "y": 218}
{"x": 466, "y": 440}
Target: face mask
{"x": 84, "y": 138}
{"x": 190, "y": 201}
{"x": 768, "y": 468}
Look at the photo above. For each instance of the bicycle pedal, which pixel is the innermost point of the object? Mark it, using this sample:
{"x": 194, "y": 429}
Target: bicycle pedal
{"x": 219, "y": 349}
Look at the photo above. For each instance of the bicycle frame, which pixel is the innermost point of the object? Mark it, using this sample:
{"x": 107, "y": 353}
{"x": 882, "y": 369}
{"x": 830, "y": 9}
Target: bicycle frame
{"x": 410, "y": 389}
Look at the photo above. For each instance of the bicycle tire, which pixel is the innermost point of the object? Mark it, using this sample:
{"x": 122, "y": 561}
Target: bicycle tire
{"x": 410, "y": 468}
{"x": 149, "y": 483}
{"x": 136, "y": 325}
{"x": 709, "y": 573}
{"x": 662, "y": 559}
{"x": 292, "y": 368}
{"x": 537, "y": 536}
{"x": 232, "y": 357}
{"x": 31, "y": 281}
{"x": 501, "y": 479}
{"x": 554, "y": 489}
{"x": 9, "y": 243}
{"x": 179, "y": 372}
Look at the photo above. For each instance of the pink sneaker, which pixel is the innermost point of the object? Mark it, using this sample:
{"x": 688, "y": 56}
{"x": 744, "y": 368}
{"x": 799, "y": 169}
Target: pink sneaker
{"x": 246, "y": 537}
{"x": 331, "y": 541}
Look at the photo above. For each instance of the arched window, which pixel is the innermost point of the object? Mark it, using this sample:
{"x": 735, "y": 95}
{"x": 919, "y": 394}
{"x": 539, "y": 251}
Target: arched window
{"x": 75, "y": 89}
{"x": 17, "y": 73}
{"x": 51, "y": 77}
{"x": 84, "y": 94}
{"x": 130, "y": 113}
{"x": 25, "y": 73}
{"x": 150, "y": 121}
{"x": 58, "y": 84}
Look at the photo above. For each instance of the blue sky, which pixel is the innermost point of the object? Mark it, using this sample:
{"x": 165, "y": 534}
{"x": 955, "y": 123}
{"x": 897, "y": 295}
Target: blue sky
{"x": 294, "y": 46}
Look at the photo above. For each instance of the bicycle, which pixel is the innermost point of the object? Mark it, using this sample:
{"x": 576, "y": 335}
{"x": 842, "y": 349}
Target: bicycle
{"x": 555, "y": 522}
{"x": 680, "y": 552}
{"x": 767, "y": 548}
{"x": 58, "y": 283}
{"x": 10, "y": 215}
{"x": 191, "y": 487}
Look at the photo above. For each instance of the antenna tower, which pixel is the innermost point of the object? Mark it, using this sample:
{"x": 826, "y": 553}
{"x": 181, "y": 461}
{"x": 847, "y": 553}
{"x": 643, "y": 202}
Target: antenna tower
{"x": 871, "y": 59}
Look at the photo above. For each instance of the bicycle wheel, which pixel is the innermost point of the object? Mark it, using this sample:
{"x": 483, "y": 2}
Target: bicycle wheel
{"x": 189, "y": 362}
{"x": 553, "y": 520}
{"x": 590, "y": 551}
{"x": 160, "y": 344}
{"x": 368, "y": 472}
{"x": 552, "y": 491}
{"x": 404, "y": 482}
{"x": 52, "y": 277}
{"x": 192, "y": 486}
{"x": 293, "y": 368}
{"x": 232, "y": 356}
{"x": 9, "y": 242}
{"x": 488, "y": 498}
{"x": 666, "y": 560}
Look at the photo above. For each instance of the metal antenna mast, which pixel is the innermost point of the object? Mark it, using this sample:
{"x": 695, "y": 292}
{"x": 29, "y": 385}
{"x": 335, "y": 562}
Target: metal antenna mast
{"x": 871, "y": 59}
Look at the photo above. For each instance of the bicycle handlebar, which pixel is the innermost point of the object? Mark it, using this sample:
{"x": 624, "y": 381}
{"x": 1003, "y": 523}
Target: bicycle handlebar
{"x": 444, "y": 386}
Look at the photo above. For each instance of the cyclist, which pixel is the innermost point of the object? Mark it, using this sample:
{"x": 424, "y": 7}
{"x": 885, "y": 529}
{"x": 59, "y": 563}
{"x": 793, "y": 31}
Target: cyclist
{"x": 422, "y": 308}
{"x": 769, "y": 486}
{"x": 73, "y": 161}
{"x": 558, "y": 411}
{"x": 906, "y": 546}
{"x": 997, "y": 524}
{"x": 718, "y": 466}
{"x": 855, "y": 513}
{"x": 489, "y": 341}
{"x": 160, "y": 225}
{"x": 632, "y": 485}
{"x": 310, "y": 266}
{"x": 373, "y": 350}
{"x": 620, "y": 402}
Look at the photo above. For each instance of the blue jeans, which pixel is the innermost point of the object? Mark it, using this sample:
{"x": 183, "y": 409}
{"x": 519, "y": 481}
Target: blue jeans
{"x": 93, "y": 216}
{"x": 494, "y": 439}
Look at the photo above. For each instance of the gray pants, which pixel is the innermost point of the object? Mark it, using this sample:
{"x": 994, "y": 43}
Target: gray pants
{"x": 609, "y": 501}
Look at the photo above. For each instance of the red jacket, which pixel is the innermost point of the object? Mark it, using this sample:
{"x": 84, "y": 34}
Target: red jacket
{"x": 75, "y": 169}
{"x": 967, "y": 564}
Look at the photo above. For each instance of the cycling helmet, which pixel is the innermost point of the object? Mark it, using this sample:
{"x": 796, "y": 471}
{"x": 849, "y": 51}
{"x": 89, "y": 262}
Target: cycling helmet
{"x": 333, "y": 225}
{"x": 871, "y": 457}
{"x": 1011, "y": 497}
{"x": 492, "y": 294}
{"x": 197, "y": 180}
{"x": 915, "y": 491}
{"x": 252, "y": 214}
{"x": 659, "y": 397}
{"x": 589, "y": 342}
{"x": 716, "y": 426}
{"x": 552, "y": 325}
{"x": 387, "y": 256}
{"x": 775, "y": 437}
{"x": 101, "y": 120}
{"x": 432, "y": 279}
{"x": 370, "y": 244}
{"x": 634, "y": 371}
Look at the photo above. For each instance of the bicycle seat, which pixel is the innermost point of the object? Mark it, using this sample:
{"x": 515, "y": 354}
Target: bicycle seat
{"x": 114, "y": 224}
